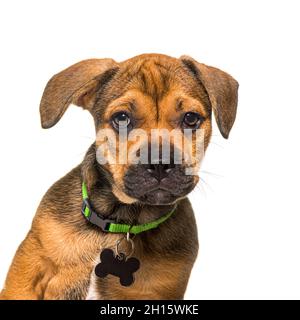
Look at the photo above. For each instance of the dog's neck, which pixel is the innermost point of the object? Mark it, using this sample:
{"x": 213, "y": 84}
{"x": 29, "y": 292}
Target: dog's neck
{"x": 105, "y": 203}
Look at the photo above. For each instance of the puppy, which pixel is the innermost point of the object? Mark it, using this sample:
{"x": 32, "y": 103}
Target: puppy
{"x": 150, "y": 91}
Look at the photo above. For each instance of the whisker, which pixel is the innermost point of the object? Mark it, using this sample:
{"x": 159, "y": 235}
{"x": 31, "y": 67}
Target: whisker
{"x": 206, "y": 184}
{"x": 202, "y": 180}
{"x": 217, "y": 144}
{"x": 212, "y": 174}
{"x": 199, "y": 188}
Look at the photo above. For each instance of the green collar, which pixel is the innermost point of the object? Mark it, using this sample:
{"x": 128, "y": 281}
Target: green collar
{"x": 110, "y": 225}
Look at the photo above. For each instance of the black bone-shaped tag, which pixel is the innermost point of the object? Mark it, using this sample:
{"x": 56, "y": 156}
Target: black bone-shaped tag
{"x": 118, "y": 266}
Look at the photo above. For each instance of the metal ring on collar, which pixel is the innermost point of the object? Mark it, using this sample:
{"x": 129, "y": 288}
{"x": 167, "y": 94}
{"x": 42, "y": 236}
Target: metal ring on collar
{"x": 128, "y": 240}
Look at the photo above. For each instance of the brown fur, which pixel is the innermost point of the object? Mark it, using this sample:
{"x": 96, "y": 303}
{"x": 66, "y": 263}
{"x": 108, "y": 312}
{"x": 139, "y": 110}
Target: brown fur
{"x": 57, "y": 257}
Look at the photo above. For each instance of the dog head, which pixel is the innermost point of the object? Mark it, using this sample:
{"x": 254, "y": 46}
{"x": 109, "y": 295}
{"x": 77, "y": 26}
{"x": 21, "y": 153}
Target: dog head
{"x": 135, "y": 97}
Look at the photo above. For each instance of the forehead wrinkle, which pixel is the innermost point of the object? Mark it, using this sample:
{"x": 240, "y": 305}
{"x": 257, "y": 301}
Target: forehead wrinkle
{"x": 153, "y": 91}
{"x": 155, "y": 82}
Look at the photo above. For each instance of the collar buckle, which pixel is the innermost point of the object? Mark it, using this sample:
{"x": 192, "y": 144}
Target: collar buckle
{"x": 93, "y": 217}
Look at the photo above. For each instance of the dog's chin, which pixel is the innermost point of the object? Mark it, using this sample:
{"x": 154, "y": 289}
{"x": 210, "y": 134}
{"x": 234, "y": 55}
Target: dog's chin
{"x": 158, "y": 197}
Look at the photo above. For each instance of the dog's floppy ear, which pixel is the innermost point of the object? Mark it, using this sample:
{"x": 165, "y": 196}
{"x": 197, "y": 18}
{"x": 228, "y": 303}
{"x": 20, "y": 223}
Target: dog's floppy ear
{"x": 76, "y": 84}
{"x": 222, "y": 90}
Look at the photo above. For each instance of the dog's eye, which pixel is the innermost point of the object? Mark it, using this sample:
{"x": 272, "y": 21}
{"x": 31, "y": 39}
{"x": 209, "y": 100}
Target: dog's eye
{"x": 192, "y": 120}
{"x": 120, "y": 120}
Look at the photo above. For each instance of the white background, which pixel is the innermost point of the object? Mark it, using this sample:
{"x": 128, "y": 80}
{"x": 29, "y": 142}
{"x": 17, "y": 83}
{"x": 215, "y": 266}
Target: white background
{"x": 248, "y": 208}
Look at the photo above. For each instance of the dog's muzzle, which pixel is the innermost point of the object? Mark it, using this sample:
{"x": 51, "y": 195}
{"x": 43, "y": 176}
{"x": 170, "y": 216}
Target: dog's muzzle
{"x": 158, "y": 184}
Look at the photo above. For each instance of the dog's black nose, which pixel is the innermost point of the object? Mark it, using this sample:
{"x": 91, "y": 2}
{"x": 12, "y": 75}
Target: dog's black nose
{"x": 160, "y": 171}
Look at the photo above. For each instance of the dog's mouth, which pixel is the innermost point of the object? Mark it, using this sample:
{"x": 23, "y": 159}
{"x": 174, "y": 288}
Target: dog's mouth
{"x": 146, "y": 189}
{"x": 160, "y": 195}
